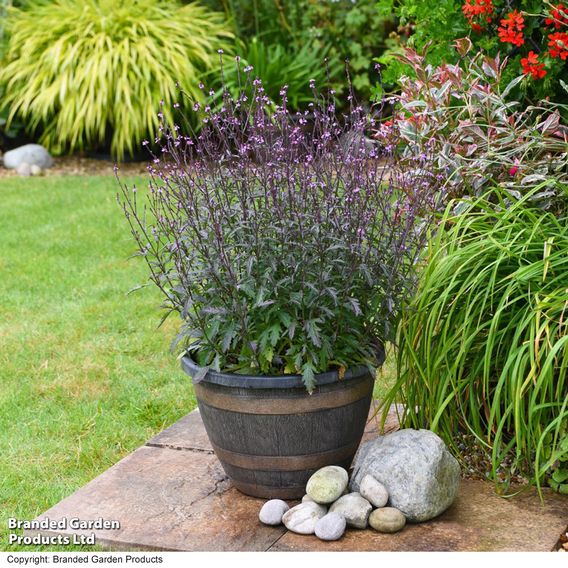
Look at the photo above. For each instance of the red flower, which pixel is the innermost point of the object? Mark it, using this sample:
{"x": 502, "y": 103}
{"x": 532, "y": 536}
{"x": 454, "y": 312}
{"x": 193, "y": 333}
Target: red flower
{"x": 478, "y": 12}
{"x": 558, "y": 45}
{"x": 558, "y": 16}
{"x": 532, "y": 66}
{"x": 511, "y": 29}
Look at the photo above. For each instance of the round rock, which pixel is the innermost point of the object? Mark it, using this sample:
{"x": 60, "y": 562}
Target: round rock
{"x": 302, "y": 518}
{"x": 421, "y": 476}
{"x": 387, "y": 520}
{"x": 307, "y": 499}
{"x": 374, "y": 491}
{"x": 32, "y": 154}
{"x": 273, "y": 511}
{"x": 354, "y": 508}
{"x": 331, "y": 526}
{"x": 327, "y": 484}
{"x": 24, "y": 169}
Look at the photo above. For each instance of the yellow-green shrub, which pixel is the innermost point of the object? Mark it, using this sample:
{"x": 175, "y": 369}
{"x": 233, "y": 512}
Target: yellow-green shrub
{"x": 92, "y": 72}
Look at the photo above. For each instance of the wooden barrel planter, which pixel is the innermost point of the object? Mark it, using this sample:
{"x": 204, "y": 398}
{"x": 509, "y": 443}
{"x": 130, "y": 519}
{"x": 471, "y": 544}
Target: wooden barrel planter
{"x": 271, "y": 435}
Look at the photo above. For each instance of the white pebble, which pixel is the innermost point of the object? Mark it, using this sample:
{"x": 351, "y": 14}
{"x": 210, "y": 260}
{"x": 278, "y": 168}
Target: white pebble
{"x": 273, "y": 511}
{"x": 331, "y": 527}
{"x": 374, "y": 491}
{"x": 302, "y": 518}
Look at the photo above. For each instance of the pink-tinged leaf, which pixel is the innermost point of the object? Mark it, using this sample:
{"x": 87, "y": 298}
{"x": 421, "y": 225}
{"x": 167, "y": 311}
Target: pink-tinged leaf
{"x": 488, "y": 67}
{"x": 500, "y": 65}
{"x": 475, "y": 130}
{"x": 426, "y": 48}
{"x": 463, "y": 46}
{"x": 551, "y": 124}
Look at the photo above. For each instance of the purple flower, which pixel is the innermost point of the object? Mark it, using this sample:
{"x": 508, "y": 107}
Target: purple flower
{"x": 282, "y": 230}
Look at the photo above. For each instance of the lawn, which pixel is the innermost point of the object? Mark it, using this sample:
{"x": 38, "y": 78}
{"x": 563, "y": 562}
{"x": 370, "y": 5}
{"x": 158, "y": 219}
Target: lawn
{"x": 85, "y": 374}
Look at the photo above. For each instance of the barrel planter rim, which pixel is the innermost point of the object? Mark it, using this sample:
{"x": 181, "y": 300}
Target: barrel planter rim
{"x": 270, "y": 381}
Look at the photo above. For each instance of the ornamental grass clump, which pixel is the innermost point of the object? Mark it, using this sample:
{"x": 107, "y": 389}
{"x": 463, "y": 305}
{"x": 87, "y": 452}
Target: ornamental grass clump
{"x": 286, "y": 241}
{"x": 484, "y": 344}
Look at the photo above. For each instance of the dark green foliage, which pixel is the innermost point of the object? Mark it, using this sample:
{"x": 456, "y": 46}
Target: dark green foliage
{"x": 439, "y": 24}
{"x": 422, "y": 22}
{"x": 340, "y": 30}
{"x": 355, "y": 31}
{"x": 277, "y": 65}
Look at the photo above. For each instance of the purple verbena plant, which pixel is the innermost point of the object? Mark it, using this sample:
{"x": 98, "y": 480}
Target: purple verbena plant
{"x": 286, "y": 241}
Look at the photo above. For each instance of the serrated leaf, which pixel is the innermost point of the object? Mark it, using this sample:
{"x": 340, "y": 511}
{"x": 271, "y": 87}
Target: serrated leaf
{"x": 228, "y": 338}
{"x": 308, "y": 378}
{"x": 292, "y": 329}
{"x": 313, "y": 332}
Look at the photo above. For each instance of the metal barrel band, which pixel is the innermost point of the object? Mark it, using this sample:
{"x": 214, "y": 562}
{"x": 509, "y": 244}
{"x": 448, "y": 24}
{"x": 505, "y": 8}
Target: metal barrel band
{"x": 269, "y": 491}
{"x": 286, "y": 463}
{"x": 281, "y": 405}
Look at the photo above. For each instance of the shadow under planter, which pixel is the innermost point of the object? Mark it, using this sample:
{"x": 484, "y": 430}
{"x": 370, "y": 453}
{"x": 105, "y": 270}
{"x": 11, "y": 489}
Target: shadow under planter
{"x": 270, "y": 435}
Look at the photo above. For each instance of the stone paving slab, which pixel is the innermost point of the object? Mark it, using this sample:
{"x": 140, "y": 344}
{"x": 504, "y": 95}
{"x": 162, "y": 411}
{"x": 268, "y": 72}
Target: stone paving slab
{"x": 478, "y": 520}
{"x": 167, "y": 499}
{"x": 172, "y": 494}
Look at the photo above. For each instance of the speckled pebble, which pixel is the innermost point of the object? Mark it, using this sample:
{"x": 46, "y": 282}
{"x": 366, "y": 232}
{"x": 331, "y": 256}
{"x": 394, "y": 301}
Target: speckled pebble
{"x": 387, "y": 520}
{"x": 327, "y": 484}
{"x": 354, "y": 508}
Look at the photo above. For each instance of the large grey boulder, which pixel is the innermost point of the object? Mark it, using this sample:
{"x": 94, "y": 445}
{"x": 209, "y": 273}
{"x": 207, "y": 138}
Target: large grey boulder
{"x": 421, "y": 476}
{"x": 32, "y": 154}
